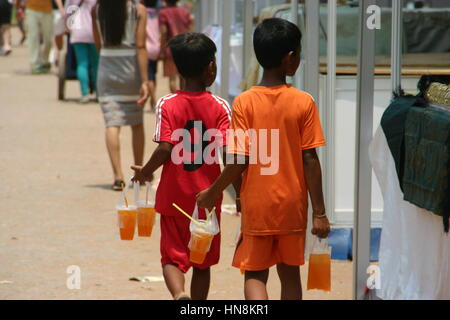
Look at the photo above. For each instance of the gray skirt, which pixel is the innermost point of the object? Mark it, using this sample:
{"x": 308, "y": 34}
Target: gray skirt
{"x": 118, "y": 84}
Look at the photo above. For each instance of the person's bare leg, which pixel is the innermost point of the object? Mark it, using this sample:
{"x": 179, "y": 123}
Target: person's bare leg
{"x": 291, "y": 286}
{"x": 6, "y": 30}
{"x": 59, "y": 41}
{"x": 138, "y": 138}
{"x": 173, "y": 85}
{"x": 174, "y": 279}
{"x": 200, "y": 283}
{"x": 152, "y": 88}
{"x": 255, "y": 285}
{"x": 113, "y": 146}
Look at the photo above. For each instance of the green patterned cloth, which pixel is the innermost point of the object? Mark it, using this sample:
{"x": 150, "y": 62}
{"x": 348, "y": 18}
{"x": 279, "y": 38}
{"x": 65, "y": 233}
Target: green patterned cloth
{"x": 427, "y": 145}
{"x": 419, "y": 140}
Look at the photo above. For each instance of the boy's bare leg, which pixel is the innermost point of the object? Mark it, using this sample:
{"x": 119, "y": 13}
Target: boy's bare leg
{"x": 255, "y": 285}
{"x": 113, "y": 146}
{"x": 291, "y": 286}
{"x": 138, "y": 137}
{"x": 173, "y": 85}
{"x": 174, "y": 279}
{"x": 200, "y": 283}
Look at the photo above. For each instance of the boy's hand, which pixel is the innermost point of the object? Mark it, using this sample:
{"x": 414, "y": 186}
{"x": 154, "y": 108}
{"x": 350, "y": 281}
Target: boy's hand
{"x": 206, "y": 199}
{"x": 139, "y": 176}
{"x": 321, "y": 227}
{"x": 238, "y": 205}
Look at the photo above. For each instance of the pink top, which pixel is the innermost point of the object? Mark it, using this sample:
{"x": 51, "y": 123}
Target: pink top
{"x": 177, "y": 20}
{"x": 79, "y": 21}
{"x": 153, "y": 36}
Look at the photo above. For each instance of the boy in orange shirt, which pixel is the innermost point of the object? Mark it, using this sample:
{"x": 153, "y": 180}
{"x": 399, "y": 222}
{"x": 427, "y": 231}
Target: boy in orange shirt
{"x": 274, "y": 194}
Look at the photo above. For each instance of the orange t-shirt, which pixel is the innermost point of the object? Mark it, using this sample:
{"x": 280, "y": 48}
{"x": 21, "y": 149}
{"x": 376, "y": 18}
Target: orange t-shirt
{"x": 274, "y": 195}
{"x": 40, "y": 5}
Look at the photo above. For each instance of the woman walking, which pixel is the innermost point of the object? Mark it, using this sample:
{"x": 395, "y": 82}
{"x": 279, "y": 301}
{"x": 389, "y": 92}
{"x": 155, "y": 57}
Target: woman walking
{"x": 119, "y": 31}
{"x": 82, "y": 40}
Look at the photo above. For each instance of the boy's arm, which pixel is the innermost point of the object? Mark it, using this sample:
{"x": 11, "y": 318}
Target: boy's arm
{"x": 236, "y": 183}
{"x": 232, "y": 172}
{"x": 159, "y": 157}
{"x": 313, "y": 176}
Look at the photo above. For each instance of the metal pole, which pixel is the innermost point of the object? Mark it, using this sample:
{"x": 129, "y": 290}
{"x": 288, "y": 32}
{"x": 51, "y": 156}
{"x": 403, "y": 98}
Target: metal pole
{"x": 294, "y": 11}
{"x": 216, "y": 9}
{"x": 226, "y": 50}
{"x": 204, "y": 12}
{"x": 198, "y": 16}
{"x": 248, "y": 35}
{"x": 312, "y": 47}
{"x": 396, "y": 45}
{"x": 364, "y": 132}
{"x": 331, "y": 102}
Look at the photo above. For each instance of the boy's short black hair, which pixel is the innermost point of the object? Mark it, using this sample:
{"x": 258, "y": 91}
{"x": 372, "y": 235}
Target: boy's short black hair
{"x": 151, "y": 3}
{"x": 273, "y": 39}
{"x": 171, "y": 2}
{"x": 192, "y": 52}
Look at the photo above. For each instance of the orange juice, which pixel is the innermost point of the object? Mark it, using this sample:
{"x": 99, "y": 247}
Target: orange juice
{"x": 145, "y": 219}
{"x": 127, "y": 222}
{"x": 199, "y": 246}
{"x": 319, "y": 272}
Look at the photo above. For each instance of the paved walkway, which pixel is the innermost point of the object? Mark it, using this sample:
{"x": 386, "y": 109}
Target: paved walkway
{"x": 57, "y": 209}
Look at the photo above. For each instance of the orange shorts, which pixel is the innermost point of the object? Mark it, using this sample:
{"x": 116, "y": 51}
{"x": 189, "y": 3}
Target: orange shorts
{"x": 170, "y": 69}
{"x": 256, "y": 253}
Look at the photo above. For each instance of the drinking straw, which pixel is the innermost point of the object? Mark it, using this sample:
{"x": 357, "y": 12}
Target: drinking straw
{"x": 210, "y": 213}
{"x": 187, "y": 215}
{"x": 124, "y": 195}
{"x": 136, "y": 187}
{"x": 147, "y": 184}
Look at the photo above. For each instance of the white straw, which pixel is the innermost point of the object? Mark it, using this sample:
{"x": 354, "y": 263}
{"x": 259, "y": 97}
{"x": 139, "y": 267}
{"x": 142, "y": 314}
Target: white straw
{"x": 136, "y": 187}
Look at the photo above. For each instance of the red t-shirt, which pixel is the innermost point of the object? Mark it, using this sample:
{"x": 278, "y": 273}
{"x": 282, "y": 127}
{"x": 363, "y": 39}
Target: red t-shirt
{"x": 196, "y": 124}
{"x": 177, "y": 20}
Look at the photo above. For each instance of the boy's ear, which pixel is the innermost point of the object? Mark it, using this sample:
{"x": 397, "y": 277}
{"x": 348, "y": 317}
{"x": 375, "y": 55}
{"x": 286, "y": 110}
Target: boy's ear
{"x": 212, "y": 68}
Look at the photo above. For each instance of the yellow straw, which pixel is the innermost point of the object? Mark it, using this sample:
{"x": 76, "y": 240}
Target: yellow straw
{"x": 124, "y": 196}
{"x": 187, "y": 215}
{"x": 210, "y": 214}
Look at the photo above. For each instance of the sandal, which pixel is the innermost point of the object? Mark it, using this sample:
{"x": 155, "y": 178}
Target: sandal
{"x": 182, "y": 296}
{"x": 117, "y": 186}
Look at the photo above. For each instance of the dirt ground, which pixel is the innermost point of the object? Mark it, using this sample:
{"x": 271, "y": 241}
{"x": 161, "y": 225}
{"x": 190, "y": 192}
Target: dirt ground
{"x": 57, "y": 209}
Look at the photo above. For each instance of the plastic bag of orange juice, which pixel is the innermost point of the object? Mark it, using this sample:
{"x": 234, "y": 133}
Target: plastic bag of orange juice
{"x": 202, "y": 234}
{"x": 319, "y": 271}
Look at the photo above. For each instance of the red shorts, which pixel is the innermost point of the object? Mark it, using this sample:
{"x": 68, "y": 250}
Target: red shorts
{"x": 256, "y": 253}
{"x": 175, "y": 236}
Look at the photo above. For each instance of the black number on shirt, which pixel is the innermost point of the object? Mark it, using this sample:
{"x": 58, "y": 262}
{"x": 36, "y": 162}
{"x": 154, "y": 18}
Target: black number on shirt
{"x": 197, "y": 147}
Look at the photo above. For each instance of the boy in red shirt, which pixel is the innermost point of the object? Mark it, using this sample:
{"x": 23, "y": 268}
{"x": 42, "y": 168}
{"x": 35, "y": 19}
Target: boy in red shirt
{"x": 189, "y": 124}
{"x": 274, "y": 193}
{"x": 173, "y": 20}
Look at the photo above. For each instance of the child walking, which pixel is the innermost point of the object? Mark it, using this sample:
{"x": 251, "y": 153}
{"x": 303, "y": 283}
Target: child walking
{"x": 188, "y": 123}
{"x": 274, "y": 201}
